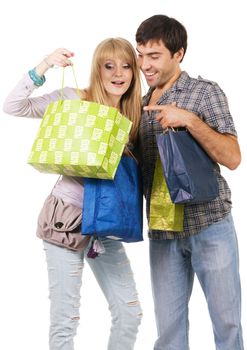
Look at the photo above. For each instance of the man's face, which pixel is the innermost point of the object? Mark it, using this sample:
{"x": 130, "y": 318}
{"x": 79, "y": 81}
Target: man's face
{"x": 157, "y": 63}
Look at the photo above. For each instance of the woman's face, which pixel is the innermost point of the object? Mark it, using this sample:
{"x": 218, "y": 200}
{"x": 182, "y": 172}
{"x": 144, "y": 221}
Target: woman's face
{"x": 116, "y": 76}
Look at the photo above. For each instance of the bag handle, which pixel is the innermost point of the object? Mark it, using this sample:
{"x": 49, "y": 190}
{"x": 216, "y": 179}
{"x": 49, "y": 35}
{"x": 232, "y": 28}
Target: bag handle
{"x": 176, "y": 129}
{"x": 78, "y": 93}
{"x": 77, "y": 88}
{"x": 130, "y": 153}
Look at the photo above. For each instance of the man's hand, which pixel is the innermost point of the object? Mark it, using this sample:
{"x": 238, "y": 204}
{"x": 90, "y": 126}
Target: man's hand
{"x": 170, "y": 115}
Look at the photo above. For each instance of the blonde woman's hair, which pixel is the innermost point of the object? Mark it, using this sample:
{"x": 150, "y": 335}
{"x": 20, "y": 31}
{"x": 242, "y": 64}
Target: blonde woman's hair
{"x": 130, "y": 103}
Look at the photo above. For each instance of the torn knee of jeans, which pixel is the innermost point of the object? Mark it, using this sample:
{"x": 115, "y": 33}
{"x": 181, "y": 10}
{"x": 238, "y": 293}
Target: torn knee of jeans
{"x": 77, "y": 272}
{"x": 75, "y": 318}
{"x": 133, "y": 303}
{"x": 140, "y": 315}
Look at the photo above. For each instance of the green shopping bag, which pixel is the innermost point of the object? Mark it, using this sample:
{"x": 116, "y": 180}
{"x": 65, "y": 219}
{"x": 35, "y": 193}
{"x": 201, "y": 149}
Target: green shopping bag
{"x": 164, "y": 215}
{"x": 80, "y": 138}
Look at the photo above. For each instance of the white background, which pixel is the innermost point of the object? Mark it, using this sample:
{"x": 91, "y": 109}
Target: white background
{"x": 29, "y": 30}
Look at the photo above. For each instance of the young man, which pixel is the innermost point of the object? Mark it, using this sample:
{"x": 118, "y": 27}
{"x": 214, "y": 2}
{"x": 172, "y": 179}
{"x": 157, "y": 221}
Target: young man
{"x": 207, "y": 245}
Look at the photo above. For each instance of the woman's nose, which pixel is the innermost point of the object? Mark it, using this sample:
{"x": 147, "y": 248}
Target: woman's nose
{"x": 118, "y": 71}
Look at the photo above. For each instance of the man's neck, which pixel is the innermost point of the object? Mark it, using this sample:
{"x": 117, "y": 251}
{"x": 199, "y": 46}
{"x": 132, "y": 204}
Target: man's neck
{"x": 160, "y": 90}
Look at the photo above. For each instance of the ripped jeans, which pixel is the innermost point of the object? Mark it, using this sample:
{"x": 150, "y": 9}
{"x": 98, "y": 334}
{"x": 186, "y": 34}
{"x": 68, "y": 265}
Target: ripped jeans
{"x": 114, "y": 276}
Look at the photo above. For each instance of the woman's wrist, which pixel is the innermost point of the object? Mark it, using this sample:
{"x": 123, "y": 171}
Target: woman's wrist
{"x": 42, "y": 68}
{"x": 46, "y": 61}
{"x": 36, "y": 77}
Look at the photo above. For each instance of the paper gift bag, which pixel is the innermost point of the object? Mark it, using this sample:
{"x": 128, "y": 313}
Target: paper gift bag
{"x": 80, "y": 138}
{"x": 164, "y": 215}
{"x": 188, "y": 170}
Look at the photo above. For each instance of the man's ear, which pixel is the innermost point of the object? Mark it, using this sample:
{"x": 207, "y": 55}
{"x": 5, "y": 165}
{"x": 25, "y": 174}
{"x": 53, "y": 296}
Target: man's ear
{"x": 179, "y": 54}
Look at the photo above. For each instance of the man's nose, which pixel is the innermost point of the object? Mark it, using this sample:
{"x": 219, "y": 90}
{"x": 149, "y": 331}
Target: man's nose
{"x": 144, "y": 63}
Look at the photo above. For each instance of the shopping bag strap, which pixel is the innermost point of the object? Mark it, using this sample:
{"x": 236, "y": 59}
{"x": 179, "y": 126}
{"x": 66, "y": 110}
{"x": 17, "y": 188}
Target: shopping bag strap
{"x": 165, "y": 131}
{"x": 77, "y": 88}
{"x": 131, "y": 153}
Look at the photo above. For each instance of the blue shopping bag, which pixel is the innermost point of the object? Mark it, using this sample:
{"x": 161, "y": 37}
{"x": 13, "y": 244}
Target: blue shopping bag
{"x": 114, "y": 208}
{"x": 188, "y": 170}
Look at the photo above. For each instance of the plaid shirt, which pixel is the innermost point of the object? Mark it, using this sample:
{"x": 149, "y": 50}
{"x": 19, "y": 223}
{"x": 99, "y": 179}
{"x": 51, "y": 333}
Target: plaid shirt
{"x": 207, "y": 101}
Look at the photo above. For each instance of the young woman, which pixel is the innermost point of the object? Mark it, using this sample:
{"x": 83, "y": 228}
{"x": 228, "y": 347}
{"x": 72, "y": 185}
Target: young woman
{"x": 114, "y": 81}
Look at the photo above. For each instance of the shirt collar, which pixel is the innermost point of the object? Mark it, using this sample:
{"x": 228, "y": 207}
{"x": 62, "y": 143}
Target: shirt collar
{"x": 180, "y": 84}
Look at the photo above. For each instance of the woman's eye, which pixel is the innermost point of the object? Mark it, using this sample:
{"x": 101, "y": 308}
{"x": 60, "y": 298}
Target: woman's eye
{"x": 126, "y": 66}
{"x": 108, "y": 66}
{"x": 112, "y": 66}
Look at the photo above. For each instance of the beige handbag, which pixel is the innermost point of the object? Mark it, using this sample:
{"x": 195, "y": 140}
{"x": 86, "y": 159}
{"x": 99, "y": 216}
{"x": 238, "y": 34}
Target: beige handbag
{"x": 59, "y": 223}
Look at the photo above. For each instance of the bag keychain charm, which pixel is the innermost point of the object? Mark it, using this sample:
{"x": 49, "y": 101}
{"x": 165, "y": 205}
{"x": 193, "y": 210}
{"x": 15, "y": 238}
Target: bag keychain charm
{"x": 96, "y": 248}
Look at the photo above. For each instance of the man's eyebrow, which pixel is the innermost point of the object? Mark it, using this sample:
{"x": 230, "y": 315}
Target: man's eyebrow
{"x": 150, "y": 53}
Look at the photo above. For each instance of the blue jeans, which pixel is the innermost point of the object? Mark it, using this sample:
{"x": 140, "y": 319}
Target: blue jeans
{"x": 114, "y": 275}
{"x": 213, "y": 256}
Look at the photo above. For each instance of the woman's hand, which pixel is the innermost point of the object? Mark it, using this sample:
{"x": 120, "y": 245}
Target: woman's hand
{"x": 60, "y": 57}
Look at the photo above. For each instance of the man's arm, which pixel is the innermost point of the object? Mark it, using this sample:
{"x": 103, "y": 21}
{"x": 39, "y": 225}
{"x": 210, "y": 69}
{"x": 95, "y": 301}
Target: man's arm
{"x": 222, "y": 148}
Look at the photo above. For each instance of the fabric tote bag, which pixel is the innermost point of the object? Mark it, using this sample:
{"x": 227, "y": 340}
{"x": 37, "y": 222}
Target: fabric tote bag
{"x": 114, "y": 208}
{"x": 80, "y": 138}
{"x": 188, "y": 170}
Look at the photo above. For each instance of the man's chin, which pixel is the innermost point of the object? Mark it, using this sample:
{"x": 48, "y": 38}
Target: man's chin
{"x": 152, "y": 82}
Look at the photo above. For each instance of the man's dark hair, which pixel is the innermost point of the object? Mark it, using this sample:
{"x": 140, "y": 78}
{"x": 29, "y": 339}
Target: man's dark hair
{"x": 160, "y": 27}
